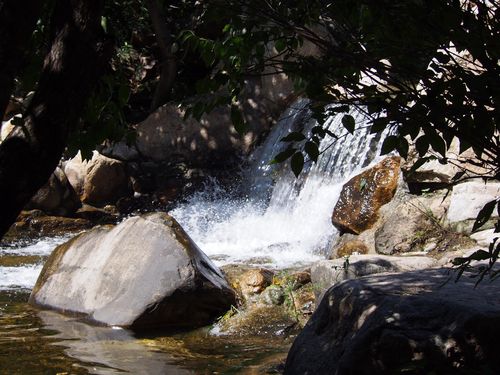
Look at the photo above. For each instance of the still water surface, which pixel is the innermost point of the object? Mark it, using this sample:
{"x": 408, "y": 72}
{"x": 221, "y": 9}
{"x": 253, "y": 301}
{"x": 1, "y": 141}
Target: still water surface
{"x": 44, "y": 342}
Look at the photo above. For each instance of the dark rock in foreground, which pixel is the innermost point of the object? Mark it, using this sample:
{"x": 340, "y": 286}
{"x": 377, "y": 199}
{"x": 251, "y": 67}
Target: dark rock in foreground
{"x": 145, "y": 272}
{"x": 412, "y": 322}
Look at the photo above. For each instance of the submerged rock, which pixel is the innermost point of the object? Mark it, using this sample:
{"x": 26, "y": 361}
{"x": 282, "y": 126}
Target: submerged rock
{"x": 142, "y": 273}
{"x": 363, "y": 195}
{"x": 413, "y": 322}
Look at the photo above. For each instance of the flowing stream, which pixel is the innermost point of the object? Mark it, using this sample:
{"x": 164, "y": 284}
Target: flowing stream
{"x": 271, "y": 219}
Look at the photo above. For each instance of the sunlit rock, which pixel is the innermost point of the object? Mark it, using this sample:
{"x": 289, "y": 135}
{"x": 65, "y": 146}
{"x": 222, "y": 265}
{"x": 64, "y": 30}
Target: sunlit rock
{"x": 165, "y": 134}
{"x": 351, "y": 247}
{"x": 255, "y": 281}
{"x": 145, "y": 272}
{"x": 75, "y": 170}
{"x": 327, "y": 273}
{"x": 404, "y": 228}
{"x": 105, "y": 181}
{"x": 413, "y": 322}
{"x": 467, "y": 199}
{"x": 363, "y": 195}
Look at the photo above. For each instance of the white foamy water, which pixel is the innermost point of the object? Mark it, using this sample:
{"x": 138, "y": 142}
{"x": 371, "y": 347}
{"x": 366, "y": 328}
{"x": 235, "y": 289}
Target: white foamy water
{"x": 41, "y": 247}
{"x": 283, "y": 221}
{"x": 25, "y": 275}
{"x": 247, "y": 233}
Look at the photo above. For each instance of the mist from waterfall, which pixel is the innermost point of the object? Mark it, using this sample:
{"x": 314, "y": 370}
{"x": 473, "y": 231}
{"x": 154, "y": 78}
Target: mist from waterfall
{"x": 273, "y": 218}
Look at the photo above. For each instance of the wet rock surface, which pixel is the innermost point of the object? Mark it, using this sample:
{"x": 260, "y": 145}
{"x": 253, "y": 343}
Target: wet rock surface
{"x": 35, "y": 224}
{"x": 391, "y": 323}
{"x": 145, "y": 272}
{"x": 363, "y": 195}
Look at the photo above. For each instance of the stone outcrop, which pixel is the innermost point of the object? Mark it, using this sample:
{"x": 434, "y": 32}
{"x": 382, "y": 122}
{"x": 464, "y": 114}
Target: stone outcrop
{"x": 413, "y": 322}
{"x": 105, "y": 181}
{"x": 75, "y": 170}
{"x": 327, "y": 273}
{"x": 352, "y": 247}
{"x": 254, "y": 282}
{"x": 401, "y": 227}
{"x": 363, "y": 195}
{"x": 438, "y": 172}
{"x": 165, "y": 134}
{"x": 145, "y": 272}
{"x": 35, "y": 224}
{"x": 56, "y": 196}
{"x": 467, "y": 199}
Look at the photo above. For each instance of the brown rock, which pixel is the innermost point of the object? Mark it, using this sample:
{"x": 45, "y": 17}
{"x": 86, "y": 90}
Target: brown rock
{"x": 363, "y": 195}
{"x": 105, "y": 182}
{"x": 255, "y": 281}
{"x": 56, "y": 196}
{"x": 75, "y": 170}
{"x": 351, "y": 247}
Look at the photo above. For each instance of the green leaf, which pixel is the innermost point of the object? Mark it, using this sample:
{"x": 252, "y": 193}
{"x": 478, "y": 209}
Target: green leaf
{"x": 422, "y": 145}
{"x": 293, "y": 137}
{"x": 420, "y": 161}
{"x": 437, "y": 142}
{"x": 123, "y": 94}
{"x": 297, "y": 163}
{"x": 379, "y": 125}
{"x": 284, "y": 155}
{"x": 403, "y": 147}
{"x": 318, "y": 130}
{"x": 349, "y": 123}
{"x": 485, "y": 214}
{"x": 480, "y": 255}
{"x": 312, "y": 150}
{"x": 390, "y": 144}
{"x": 238, "y": 121}
{"x": 280, "y": 45}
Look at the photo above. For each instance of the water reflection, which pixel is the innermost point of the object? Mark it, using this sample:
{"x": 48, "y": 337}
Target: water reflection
{"x": 107, "y": 350}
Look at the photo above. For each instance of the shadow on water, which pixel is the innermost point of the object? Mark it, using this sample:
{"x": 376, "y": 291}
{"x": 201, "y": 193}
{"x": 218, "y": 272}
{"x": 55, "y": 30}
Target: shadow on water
{"x": 45, "y": 342}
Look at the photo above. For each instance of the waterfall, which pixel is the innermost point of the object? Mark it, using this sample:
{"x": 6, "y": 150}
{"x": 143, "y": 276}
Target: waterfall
{"x": 273, "y": 218}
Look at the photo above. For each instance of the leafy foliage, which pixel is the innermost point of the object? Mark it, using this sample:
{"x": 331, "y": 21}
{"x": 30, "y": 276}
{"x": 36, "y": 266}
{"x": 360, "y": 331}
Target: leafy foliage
{"x": 429, "y": 69}
{"x": 467, "y": 263}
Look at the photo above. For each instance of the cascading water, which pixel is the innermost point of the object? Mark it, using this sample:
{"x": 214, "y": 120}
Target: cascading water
{"x": 282, "y": 220}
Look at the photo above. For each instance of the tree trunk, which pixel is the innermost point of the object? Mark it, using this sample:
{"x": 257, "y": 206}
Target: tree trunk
{"x": 17, "y": 23}
{"x": 168, "y": 61}
{"x": 31, "y": 152}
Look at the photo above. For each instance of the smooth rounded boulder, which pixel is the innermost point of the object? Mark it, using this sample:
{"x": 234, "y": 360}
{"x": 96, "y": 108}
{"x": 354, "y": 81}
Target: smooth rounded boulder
{"x": 144, "y": 273}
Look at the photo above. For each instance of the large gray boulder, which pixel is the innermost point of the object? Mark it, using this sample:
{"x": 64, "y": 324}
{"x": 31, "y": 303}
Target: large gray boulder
{"x": 414, "y": 322}
{"x": 144, "y": 272}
